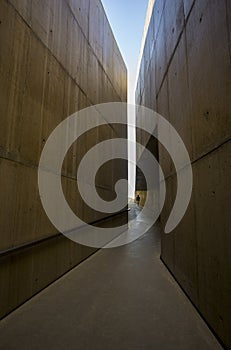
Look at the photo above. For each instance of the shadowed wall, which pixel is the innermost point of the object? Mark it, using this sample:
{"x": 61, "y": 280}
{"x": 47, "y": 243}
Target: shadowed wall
{"x": 185, "y": 75}
{"x": 56, "y": 58}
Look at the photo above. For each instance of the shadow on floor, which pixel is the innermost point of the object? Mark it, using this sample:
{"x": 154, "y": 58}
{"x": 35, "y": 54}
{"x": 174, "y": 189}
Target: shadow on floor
{"x": 120, "y": 298}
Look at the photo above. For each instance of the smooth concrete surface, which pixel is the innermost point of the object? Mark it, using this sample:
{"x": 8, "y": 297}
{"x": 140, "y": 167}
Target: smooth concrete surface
{"x": 56, "y": 58}
{"x": 185, "y": 75}
{"x": 121, "y": 298}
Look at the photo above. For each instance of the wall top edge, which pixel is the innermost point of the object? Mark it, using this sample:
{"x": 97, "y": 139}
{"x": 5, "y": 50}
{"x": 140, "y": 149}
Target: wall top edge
{"x": 145, "y": 31}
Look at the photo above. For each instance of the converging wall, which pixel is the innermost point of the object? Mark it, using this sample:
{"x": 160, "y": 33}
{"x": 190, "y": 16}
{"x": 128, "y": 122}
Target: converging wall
{"x": 185, "y": 75}
{"x": 56, "y": 57}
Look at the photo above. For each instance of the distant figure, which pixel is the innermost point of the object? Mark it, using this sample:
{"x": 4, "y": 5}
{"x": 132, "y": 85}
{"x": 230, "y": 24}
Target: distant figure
{"x": 138, "y": 200}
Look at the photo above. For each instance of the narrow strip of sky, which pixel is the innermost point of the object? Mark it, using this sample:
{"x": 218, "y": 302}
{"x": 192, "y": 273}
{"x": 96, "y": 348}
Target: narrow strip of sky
{"x": 127, "y": 18}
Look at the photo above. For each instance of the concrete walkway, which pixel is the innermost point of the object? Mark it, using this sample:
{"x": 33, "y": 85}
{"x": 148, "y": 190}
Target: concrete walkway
{"x": 121, "y": 298}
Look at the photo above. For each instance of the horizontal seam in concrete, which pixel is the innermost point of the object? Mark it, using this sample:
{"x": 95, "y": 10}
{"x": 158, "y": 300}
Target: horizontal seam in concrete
{"x": 49, "y": 284}
{"x": 64, "y": 176}
{"x": 28, "y": 245}
{"x": 101, "y": 187}
{"x": 203, "y": 155}
{"x": 11, "y": 157}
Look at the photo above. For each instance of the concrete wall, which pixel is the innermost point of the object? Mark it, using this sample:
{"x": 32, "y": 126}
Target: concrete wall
{"x": 56, "y": 58}
{"x": 185, "y": 75}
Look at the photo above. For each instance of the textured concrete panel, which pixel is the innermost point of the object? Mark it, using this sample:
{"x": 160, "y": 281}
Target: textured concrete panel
{"x": 157, "y": 15}
{"x": 179, "y": 95}
{"x": 212, "y": 195}
{"x": 160, "y": 56}
{"x": 167, "y": 241}
{"x": 56, "y": 58}
{"x": 209, "y": 74}
{"x": 173, "y": 15}
{"x": 192, "y": 84}
{"x": 163, "y": 108}
{"x": 27, "y": 272}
